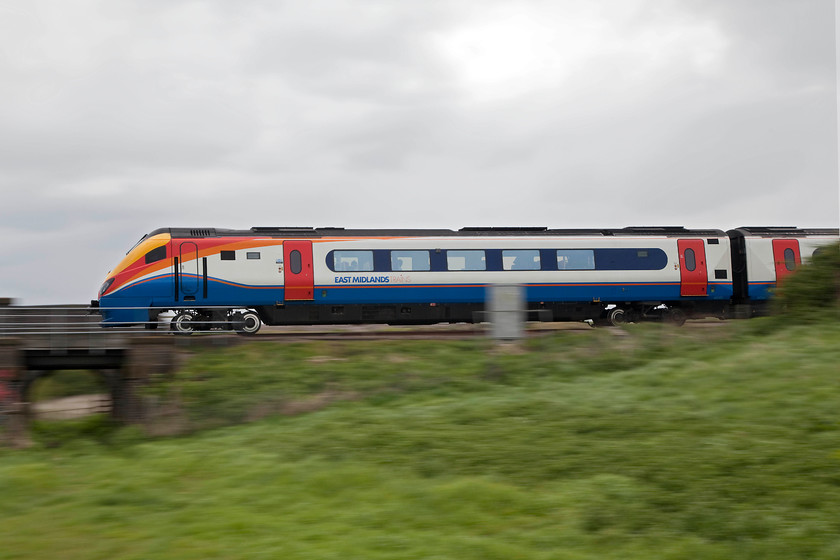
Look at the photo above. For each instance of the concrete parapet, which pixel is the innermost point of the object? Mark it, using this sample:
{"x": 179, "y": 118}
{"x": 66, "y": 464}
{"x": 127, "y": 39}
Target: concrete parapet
{"x": 147, "y": 356}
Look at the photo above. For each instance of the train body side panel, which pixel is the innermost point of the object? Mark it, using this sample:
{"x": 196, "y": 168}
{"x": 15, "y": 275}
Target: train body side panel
{"x": 448, "y": 286}
{"x": 250, "y": 272}
{"x": 763, "y": 262}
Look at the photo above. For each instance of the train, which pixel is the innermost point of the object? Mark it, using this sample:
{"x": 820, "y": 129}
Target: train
{"x": 238, "y": 280}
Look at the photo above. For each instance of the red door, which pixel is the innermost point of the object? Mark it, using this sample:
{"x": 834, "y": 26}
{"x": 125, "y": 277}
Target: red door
{"x": 785, "y": 256}
{"x": 694, "y": 280}
{"x": 298, "y": 270}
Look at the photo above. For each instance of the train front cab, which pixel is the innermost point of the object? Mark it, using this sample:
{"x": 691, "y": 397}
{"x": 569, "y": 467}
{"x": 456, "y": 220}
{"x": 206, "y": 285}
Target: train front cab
{"x": 142, "y": 278}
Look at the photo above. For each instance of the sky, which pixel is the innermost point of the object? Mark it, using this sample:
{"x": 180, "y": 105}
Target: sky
{"x": 118, "y": 117}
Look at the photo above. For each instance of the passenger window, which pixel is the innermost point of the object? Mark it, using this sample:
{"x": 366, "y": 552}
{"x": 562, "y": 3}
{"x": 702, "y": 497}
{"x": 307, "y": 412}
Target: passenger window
{"x": 690, "y": 261}
{"x": 410, "y": 260}
{"x": 156, "y": 254}
{"x": 627, "y": 259}
{"x": 466, "y": 260}
{"x": 521, "y": 259}
{"x": 575, "y": 259}
{"x": 228, "y": 255}
{"x": 353, "y": 261}
{"x": 790, "y": 259}
{"x": 295, "y": 264}
{"x": 252, "y": 256}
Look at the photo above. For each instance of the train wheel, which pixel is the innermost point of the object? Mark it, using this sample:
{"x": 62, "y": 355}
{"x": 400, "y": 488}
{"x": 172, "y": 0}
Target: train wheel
{"x": 182, "y": 323}
{"x": 617, "y": 317}
{"x": 247, "y": 323}
{"x": 676, "y": 317}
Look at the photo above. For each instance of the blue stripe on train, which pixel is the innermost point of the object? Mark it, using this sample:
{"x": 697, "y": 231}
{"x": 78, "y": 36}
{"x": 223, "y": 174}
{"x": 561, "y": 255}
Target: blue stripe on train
{"x": 158, "y": 292}
{"x": 534, "y": 293}
{"x": 761, "y": 290}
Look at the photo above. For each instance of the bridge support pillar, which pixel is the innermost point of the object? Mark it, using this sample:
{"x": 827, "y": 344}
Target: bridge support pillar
{"x": 146, "y": 358}
{"x": 14, "y": 421}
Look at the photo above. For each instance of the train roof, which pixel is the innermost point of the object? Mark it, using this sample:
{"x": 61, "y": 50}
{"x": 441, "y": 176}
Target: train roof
{"x": 781, "y": 231}
{"x": 282, "y": 231}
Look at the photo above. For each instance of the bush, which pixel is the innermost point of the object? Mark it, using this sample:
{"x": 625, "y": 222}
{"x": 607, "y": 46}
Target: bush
{"x": 813, "y": 293}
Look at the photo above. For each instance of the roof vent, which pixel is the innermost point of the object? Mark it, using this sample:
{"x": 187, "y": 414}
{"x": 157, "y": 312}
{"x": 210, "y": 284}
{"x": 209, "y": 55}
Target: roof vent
{"x": 208, "y": 232}
{"x": 269, "y": 229}
{"x": 656, "y": 229}
{"x": 505, "y": 229}
{"x": 284, "y": 230}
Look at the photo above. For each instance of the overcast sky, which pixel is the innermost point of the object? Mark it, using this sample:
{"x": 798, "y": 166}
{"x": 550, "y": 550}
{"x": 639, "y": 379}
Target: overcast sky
{"x": 119, "y": 117}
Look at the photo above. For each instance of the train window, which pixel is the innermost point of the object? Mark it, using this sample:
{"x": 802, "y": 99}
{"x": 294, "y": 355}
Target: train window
{"x": 649, "y": 258}
{"x": 690, "y": 260}
{"x": 156, "y": 254}
{"x": 228, "y": 255}
{"x": 252, "y": 256}
{"x": 295, "y": 263}
{"x": 790, "y": 259}
{"x": 720, "y": 274}
{"x": 521, "y": 259}
{"x": 138, "y": 243}
{"x": 575, "y": 259}
{"x": 466, "y": 260}
{"x": 410, "y": 260}
{"x": 353, "y": 261}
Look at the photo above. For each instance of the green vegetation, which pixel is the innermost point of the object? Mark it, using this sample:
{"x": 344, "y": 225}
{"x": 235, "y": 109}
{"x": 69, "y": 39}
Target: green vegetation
{"x": 647, "y": 442}
{"x": 712, "y": 441}
{"x": 814, "y": 291}
{"x": 67, "y": 383}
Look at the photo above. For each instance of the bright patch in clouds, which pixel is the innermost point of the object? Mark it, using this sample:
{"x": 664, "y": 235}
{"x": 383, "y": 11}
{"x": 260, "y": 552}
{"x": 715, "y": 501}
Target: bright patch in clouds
{"x": 513, "y": 50}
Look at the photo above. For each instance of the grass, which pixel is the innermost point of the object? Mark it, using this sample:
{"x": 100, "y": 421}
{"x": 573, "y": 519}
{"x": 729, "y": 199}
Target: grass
{"x": 655, "y": 443}
{"x": 646, "y": 442}
{"x": 67, "y": 383}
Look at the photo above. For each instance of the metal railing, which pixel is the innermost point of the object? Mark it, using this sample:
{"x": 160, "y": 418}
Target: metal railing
{"x": 81, "y": 326}
{"x": 64, "y": 326}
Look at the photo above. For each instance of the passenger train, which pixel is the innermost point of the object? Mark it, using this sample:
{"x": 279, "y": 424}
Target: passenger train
{"x": 239, "y": 279}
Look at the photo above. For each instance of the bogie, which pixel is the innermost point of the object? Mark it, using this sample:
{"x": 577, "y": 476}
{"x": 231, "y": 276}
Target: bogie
{"x": 183, "y": 323}
{"x": 246, "y": 323}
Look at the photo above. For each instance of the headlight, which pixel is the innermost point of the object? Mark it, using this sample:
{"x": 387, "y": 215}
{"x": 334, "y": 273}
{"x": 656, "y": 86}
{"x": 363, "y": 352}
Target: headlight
{"x": 105, "y": 286}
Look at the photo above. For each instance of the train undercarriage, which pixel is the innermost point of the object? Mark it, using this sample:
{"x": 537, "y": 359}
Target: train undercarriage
{"x": 248, "y": 321}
